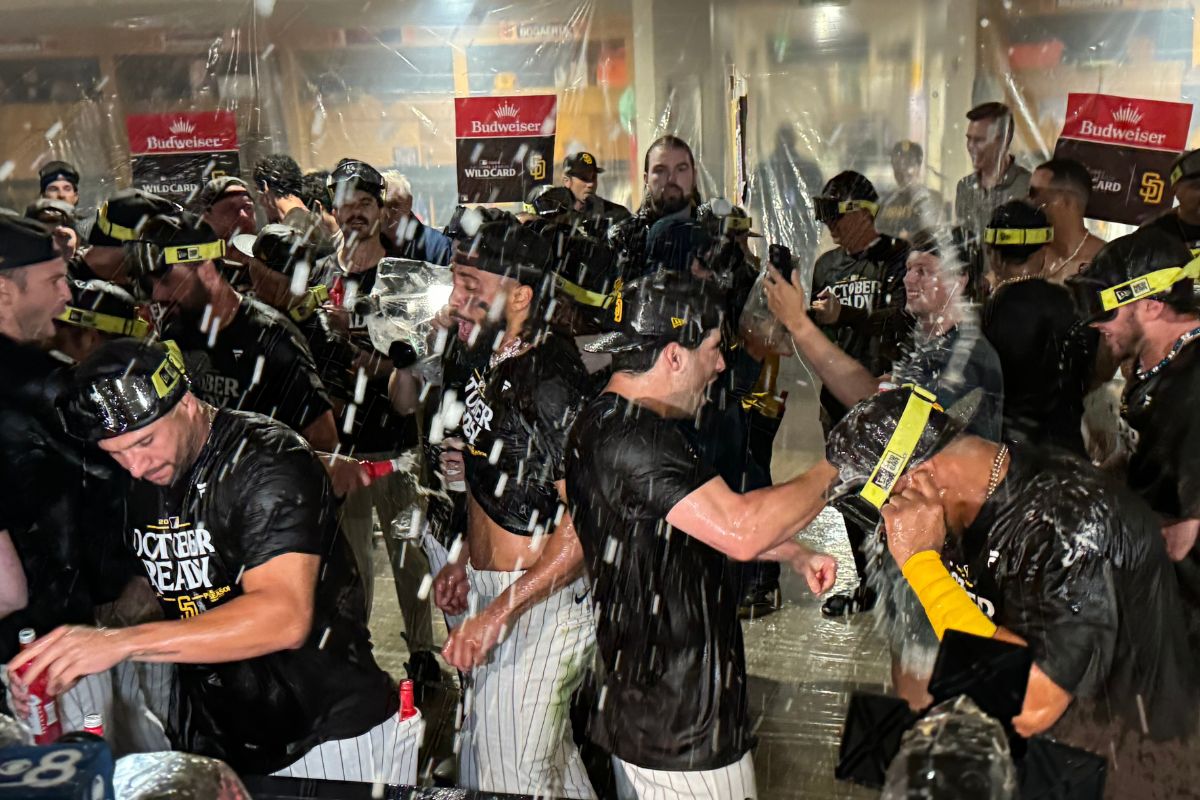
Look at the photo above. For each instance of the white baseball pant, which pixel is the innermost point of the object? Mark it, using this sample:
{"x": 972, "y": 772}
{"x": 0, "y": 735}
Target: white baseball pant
{"x": 733, "y": 782}
{"x": 516, "y": 735}
{"x": 437, "y": 555}
{"x": 385, "y": 754}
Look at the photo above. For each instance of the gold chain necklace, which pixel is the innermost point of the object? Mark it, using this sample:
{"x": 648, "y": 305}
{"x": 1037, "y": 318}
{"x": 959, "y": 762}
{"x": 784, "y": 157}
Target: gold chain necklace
{"x": 1058, "y": 266}
{"x": 1018, "y": 279}
{"x": 997, "y": 465}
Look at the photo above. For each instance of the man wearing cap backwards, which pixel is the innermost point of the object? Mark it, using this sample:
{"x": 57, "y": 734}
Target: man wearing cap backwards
{"x": 1045, "y": 356}
{"x": 242, "y": 353}
{"x": 658, "y": 527}
{"x": 226, "y": 205}
{"x": 858, "y": 300}
{"x": 51, "y": 491}
{"x": 1062, "y": 187}
{"x": 233, "y": 518}
{"x": 912, "y": 206}
{"x": 1139, "y": 293}
{"x": 58, "y": 180}
{"x": 518, "y": 576}
{"x": 581, "y": 176}
{"x": 1037, "y": 548}
{"x": 116, "y": 228}
{"x": 995, "y": 177}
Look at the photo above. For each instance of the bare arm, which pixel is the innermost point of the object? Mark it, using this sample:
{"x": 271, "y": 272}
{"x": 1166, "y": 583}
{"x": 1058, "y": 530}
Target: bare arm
{"x": 1045, "y": 700}
{"x": 849, "y": 381}
{"x": 744, "y": 526}
{"x": 404, "y": 390}
{"x": 322, "y": 433}
{"x": 274, "y": 613}
{"x": 14, "y": 594}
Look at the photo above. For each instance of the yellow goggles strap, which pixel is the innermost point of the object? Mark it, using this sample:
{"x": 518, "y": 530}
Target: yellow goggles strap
{"x": 105, "y": 323}
{"x": 170, "y": 372}
{"x": 846, "y": 206}
{"x": 1145, "y": 285}
{"x": 313, "y": 299}
{"x": 580, "y": 294}
{"x": 900, "y": 446}
{"x": 112, "y": 229}
{"x": 1017, "y": 236}
{"x": 186, "y": 253}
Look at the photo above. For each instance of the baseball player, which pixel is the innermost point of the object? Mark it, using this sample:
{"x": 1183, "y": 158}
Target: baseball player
{"x": 529, "y": 635}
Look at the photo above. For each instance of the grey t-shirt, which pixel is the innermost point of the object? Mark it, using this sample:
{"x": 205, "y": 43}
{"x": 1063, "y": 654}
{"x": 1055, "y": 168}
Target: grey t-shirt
{"x": 973, "y": 204}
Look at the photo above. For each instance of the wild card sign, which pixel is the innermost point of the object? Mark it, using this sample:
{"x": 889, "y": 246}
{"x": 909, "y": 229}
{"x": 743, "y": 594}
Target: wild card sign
{"x": 174, "y": 155}
{"x": 505, "y": 146}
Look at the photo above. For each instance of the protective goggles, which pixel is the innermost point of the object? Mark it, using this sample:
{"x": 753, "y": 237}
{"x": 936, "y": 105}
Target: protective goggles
{"x": 112, "y": 229}
{"x": 1012, "y": 237}
{"x": 1102, "y": 305}
{"x": 864, "y": 505}
{"x": 126, "y": 402}
{"x": 105, "y": 323}
{"x": 313, "y": 299}
{"x": 831, "y": 209}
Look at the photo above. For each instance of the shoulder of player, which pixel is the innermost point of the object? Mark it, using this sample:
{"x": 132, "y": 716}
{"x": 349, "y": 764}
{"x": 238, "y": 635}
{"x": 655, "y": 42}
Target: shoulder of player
{"x": 255, "y": 447}
{"x": 618, "y": 433}
{"x": 276, "y": 331}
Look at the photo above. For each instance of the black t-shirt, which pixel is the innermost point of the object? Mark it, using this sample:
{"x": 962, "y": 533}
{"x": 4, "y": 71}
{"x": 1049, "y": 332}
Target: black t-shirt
{"x": 256, "y": 491}
{"x": 1032, "y": 326}
{"x": 673, "y": 664}
{"x": 258, "y": 362}
{"x": 59, "y": 501}
{"x": 1074, "y": 563}
{"x": 952, "y": 366}
{"x": 515, "y": 427}
{"x": 1172, "y": 224}
{"x": 872, "y": 323}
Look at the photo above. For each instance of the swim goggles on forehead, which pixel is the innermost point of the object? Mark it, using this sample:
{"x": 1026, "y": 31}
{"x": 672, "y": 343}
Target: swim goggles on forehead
{"x": 829, "y": 209}
{"x": 105, "y": 323}
{"x": 1008, "y": 237}
{"x": 121, "y": 403}
{"x": 1147, "y": 285}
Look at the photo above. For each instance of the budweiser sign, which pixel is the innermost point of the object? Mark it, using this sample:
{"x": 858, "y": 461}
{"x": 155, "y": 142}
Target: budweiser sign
{"x": 494, "y": 117}
{"x": 1129, "y": 121}
{"x": 183, "y": 132}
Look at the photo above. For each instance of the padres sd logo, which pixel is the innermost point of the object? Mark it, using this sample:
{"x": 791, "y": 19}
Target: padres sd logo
{"x": 1152, "y": 189}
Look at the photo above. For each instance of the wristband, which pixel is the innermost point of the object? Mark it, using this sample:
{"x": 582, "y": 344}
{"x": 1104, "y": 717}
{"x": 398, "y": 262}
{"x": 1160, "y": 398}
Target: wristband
{"x": 946, "y": 602}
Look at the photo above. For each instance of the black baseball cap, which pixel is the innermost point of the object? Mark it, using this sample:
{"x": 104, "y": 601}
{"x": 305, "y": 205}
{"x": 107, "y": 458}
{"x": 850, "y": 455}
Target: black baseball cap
{"x": 105, "y": 307}
{"x": 659, "y": 308}
{"x": 123, "y": 386}
{"x": 1143, "y": 264}
{"x": 355, "y": 175}
{"x": 550, "y": 201}
{"x": 884, "y": 436}
{"x": 582, "y": 165}
{"x": 51, "y": 212}
{"x": 183, "y": 238}
{"x": 121, "y": 218}
{"x": 845, "y": 192}
{"x": 219, "y": 188}
{"x": 503, "y": 246}
{"x": 53, "y": 171}
{"x": 1186, "y": 167}
{"x": 672, "y": 243}
{"x": 1018, "y": 223}
{"x": 24, "y": 241}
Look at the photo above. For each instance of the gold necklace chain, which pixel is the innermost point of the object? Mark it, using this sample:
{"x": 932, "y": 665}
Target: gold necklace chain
{"x": 1018, "y": 279}
{"x": 1054, "y": 270}
{"x": 997, "y": 465}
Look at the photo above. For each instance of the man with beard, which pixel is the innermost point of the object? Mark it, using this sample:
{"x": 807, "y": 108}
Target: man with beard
{"x": 60, "y": 553}
{"x": 233, "y": 518}
{"x": 405, "y": 235}
{"x": 1040, "y": 549}
{"x": 519, "y": 575}
{"x": 858, "y": 300}
{"x": 1045, "y": 356}
{"x": 658, "y": 527}
{"x": 1062, "y": 187}
{"x": 357, "y": 190}
{"x": 995, "y": 177}
{"x": 946, "y": 353}
{"x": 912, "y": 207}
{"x": 1139, "y": 293}
{"x": 242, "y": 354}
{"x": 669, "y": 175}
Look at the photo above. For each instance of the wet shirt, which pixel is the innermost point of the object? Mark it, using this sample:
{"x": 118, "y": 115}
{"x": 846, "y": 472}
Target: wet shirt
{"x": 974, "y": 204}
{"x": 952, "y": 365}
{"x": 908, "y": 210}
{"x": 872, "y": 322}
{"x": 1172, "y": 224}
{"x": 515, "y": 428}
{"x": 258, "y": 362}
{"x": 256, "y": 492}
{"x": 1074, "y": 563}
{"x": 1033, "y": 327}
{"x": 673, "y": 664}
{"x": 59, "y": 502}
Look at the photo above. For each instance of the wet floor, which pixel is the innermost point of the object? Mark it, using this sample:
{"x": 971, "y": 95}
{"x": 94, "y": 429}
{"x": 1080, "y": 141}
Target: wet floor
{"x": 802, "y": 670}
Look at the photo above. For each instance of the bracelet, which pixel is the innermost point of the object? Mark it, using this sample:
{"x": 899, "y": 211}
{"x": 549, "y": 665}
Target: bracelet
{"x": 946, "y": 602}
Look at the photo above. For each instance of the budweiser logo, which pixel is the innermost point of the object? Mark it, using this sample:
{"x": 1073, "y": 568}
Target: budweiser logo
{"x": 506, "y": 110}
{"x": 182, "y": 126}
{"x": 1127, "y": 115}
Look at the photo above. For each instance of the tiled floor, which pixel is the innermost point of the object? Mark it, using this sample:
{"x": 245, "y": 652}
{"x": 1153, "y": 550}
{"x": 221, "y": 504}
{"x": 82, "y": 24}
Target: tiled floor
{"x": 802, "y": 666}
